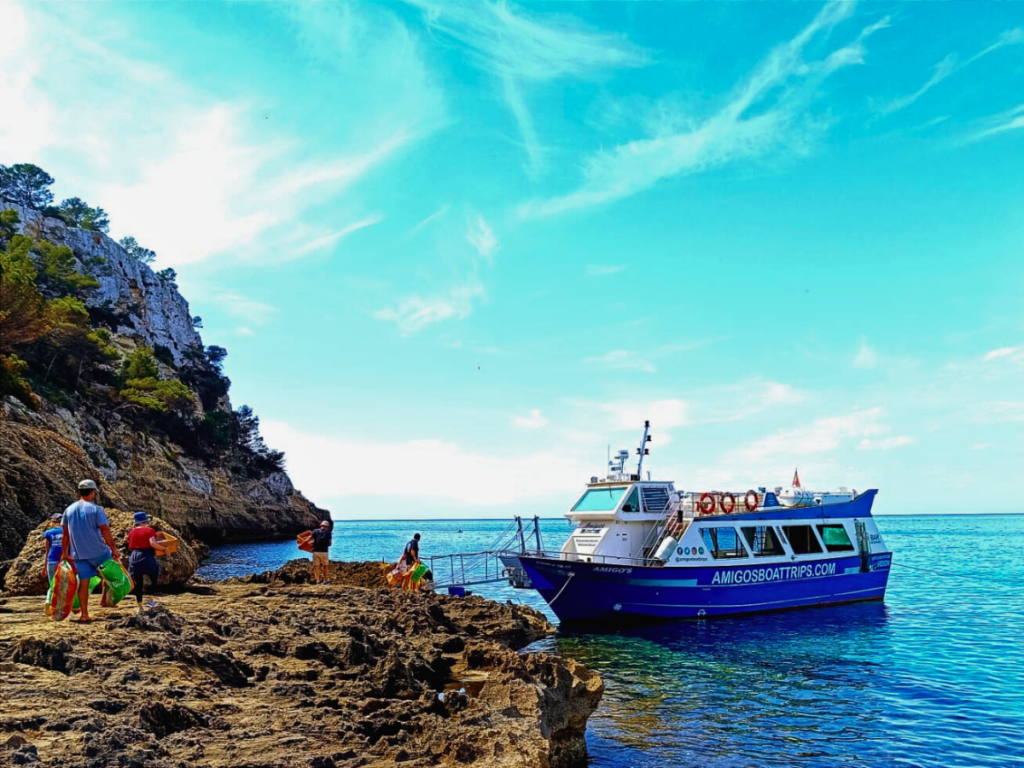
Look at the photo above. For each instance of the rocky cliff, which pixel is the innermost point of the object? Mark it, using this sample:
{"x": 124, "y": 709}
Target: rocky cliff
{"x": 187, "y": 467}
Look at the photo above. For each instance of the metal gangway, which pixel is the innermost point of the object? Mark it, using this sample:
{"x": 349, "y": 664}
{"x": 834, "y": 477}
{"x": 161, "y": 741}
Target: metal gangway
{"x": 499, "y": 562}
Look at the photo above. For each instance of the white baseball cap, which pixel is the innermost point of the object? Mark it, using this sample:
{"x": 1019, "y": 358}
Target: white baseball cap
{"x": 87, "y": 485}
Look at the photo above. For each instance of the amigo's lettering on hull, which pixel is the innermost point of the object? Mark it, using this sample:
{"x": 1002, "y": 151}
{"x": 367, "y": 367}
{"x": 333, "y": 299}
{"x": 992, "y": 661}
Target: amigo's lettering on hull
{"x": 779, "y": 573}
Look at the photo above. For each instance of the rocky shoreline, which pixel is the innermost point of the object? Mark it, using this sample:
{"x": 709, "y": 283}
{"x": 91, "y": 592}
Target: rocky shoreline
{"x": 271, "y": 671}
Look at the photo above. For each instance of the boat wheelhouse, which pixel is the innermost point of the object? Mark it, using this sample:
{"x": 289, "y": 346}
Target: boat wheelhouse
{"x": 644, "y": 550}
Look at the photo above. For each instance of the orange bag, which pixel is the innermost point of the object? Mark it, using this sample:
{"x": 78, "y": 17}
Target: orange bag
{"x": 305, "y": 541}
{"x": 64, "y": 590}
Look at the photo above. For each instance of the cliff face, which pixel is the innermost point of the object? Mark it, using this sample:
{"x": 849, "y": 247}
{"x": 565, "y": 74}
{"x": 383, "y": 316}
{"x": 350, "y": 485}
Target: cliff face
{"x": 88, "y": 433}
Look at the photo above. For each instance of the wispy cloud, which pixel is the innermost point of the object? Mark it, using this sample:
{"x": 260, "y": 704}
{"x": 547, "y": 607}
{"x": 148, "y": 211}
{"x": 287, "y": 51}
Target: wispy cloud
{"x": 884, "y": 444}
{"x": 1010, "y": 120}
{"x": 251, "y": 311}
{"x": 480, "y": 235}
{"x": 765, "y": 112}
{"x": 602, "y": 270}
{"x": 414, "y": 313}
{"x": 333, "y": 238}
{"x": 622, "y": 360}
{"x": 866, "y": 356}
{"x": 1010, "y": 353}
{"x": 423, "y": 223}
{"x": 213, "y": 161}
{"x": 949, "y": 66}
{"x": 533, "y": 420}
{"x": 943, "y": 69}
{"x": 517, "y": 47}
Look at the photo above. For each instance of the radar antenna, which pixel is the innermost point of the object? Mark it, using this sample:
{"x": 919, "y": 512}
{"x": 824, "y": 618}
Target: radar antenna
{"x": 643, "y": 450}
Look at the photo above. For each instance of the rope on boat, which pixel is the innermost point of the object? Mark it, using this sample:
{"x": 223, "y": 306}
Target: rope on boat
{"x": 552, "y": 601}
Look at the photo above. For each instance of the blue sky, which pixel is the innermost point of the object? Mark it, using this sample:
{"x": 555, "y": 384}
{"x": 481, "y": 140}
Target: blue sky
{"x": 456, "y": 250}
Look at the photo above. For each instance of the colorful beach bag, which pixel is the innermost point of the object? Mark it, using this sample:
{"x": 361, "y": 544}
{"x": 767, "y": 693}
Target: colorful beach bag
{"x": 63, "y": 590}
{"x": 116, "y": 582}
{"x": 305, "y": 540}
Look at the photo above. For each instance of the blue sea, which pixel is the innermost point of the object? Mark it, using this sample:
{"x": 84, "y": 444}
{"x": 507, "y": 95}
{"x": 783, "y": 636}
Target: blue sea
{"x": 932, "y": 677}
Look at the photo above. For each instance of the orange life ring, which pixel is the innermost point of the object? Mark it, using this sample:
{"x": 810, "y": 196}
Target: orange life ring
{"x": 750, "y": 501}
{"x": 732, "y": 503}
{"x": 706, "y": 504}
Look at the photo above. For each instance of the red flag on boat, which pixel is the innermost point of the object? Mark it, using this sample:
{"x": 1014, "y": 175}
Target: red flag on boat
{"x": 796, "y": 479}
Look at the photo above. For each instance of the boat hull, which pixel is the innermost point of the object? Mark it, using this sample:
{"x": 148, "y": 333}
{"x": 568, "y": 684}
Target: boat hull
{"x": 582, "y": 591}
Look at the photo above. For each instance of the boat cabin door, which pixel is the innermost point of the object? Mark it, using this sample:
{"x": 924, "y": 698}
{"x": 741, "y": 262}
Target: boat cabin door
{"x": 863, "y": 546}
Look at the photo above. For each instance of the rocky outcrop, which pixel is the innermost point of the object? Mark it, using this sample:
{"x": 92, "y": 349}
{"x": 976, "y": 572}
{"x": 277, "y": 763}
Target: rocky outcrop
{"x": 44, "y": 453}
{"x": 26, "y": 577}
{"x": 292, "y": 675}
{"x": 140, "y": 304}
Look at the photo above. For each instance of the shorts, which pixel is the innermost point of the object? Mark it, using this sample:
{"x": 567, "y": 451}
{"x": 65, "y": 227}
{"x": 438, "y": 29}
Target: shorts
{"x": 320, "y": 557}
{"x": 87, "y": 568}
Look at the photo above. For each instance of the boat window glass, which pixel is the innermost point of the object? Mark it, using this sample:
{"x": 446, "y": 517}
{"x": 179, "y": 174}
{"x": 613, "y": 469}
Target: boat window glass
{"x": 599, "y": 500}
{"x": 836, "y": 538}
{"x": 802, "y": 539}
{"x": 632, "y": 502}
{"x": 723, "y": 543}
{"x": 762, "y": 541}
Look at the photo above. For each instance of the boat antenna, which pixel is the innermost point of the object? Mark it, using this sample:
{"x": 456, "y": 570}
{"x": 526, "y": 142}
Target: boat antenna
{"x": 643, "y": 450}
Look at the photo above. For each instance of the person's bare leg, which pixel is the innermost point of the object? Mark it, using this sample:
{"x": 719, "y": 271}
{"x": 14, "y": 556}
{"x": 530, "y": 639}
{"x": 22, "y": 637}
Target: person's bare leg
{"x": 83, "y": 599}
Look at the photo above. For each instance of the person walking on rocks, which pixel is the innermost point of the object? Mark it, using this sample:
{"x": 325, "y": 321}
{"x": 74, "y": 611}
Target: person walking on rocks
{"x": 411, "y": 555}
{"x": 86, "y": 540}
{"x": 143, "y": 546}
{"x": 53, "y": 537}
{"x": 321, "y": 545}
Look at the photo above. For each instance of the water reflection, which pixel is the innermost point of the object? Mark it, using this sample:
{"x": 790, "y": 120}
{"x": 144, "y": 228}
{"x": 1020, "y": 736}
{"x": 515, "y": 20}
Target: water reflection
{"x": 791, "y": 687}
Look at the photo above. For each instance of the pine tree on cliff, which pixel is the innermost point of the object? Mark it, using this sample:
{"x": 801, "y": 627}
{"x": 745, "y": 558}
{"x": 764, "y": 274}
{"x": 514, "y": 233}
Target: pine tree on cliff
{"x": 26, "y": 184}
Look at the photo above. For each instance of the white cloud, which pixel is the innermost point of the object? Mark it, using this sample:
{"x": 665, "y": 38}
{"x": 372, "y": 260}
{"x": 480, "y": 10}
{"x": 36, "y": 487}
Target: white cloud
{"x": 949, "y": 66}
{"x": 980, "y": 446}
{"x": 428, "y": 469}
{"x": 27, "y": 120}
{"x": 663, "y": 414}
{"x": 866, "y": 357}
{"x": 253, "y": 312}
{"x": 517, "y": 47}
{"x": 244, "y": 330}
{"x": 764, "y": 113}
{"x": 432, "y": 217}
{"x": 601, "y": 270}
{"x": 943, "y": 69}
{"x": 622, "y": 360}
{"x": 1010, "y": 120}
{"x": 997, "y": 411}
{"x": 1011, "y": 353}
{"x": 807, "y": 442}
{"x": 333, "y": 238}
{"x": 533, "y": 420}
{"x": 169, "y": 152}
{"x": 414, "y": 313}
{"x": 885, "y": 444}
{"x": 480, "y": 235}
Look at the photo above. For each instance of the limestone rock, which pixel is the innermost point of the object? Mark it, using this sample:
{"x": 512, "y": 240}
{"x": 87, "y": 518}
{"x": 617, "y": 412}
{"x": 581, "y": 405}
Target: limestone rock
{"x": 295, "y": 675}
{"x": 26, "y": 576}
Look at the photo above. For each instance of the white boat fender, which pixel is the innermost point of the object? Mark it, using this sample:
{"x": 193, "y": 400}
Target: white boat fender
{"x": 666, "y": 548}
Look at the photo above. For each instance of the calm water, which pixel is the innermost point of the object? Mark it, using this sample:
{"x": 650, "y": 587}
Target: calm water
{"x": 934, "y": 677}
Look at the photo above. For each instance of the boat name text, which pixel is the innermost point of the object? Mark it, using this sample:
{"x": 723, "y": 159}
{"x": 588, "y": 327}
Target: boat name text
{"x": 782, "y": 573}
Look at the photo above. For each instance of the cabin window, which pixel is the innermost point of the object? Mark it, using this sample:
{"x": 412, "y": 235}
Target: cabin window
{"x": 632, "y": 502}
{"x": 763, "y": 541}
{"x": 802, "y": 539}
{"x": 723, "y": 543}
{"x": 599, "y": 500}
{"x": 836, "y": 538}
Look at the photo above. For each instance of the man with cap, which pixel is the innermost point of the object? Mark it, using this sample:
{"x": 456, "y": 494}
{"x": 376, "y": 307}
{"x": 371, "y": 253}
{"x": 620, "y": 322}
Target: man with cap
{"x": 86, "y": 540}
{"x": 321, "y": 544}
{"x": 143, "y": 547}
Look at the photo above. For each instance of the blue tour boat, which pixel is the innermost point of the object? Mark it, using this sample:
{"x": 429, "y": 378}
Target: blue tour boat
{"x": 643, "y": 550}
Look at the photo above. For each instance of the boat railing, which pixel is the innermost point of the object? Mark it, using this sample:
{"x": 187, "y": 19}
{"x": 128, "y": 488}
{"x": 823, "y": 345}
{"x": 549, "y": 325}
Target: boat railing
{"x": 576, "y": 557}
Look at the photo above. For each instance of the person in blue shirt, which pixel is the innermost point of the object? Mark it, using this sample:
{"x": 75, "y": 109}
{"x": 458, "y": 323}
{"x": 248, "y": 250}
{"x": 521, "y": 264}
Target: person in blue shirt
{"x": 87, "y": 540}
{"x": 52, "y": 536}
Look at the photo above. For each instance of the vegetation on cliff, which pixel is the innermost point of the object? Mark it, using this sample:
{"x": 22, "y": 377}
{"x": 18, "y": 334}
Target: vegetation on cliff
{"x": 52, "y": 346}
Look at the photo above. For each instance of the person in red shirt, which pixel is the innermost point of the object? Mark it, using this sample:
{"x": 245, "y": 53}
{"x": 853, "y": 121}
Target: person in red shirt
{"x": 143, "y": 547}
